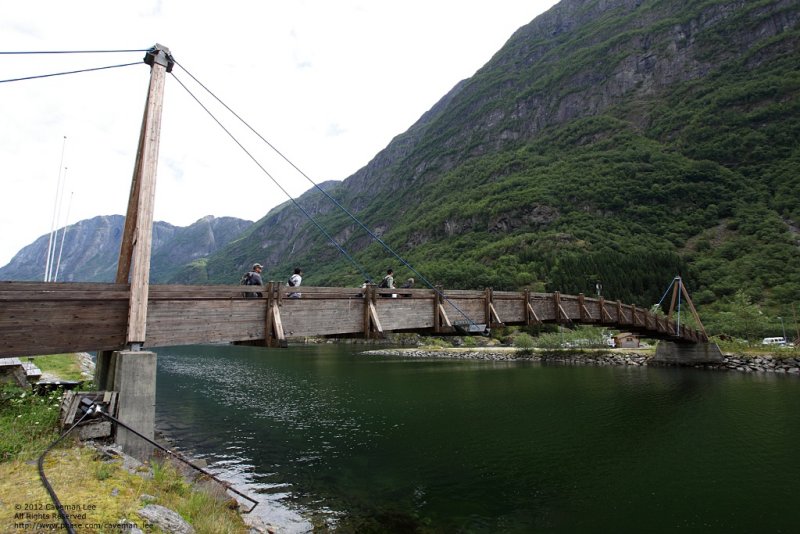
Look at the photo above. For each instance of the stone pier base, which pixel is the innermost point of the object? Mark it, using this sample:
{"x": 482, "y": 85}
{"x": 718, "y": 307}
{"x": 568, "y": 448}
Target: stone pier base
{"x": 134, "y": 379}
{"x": 669, "y": 352}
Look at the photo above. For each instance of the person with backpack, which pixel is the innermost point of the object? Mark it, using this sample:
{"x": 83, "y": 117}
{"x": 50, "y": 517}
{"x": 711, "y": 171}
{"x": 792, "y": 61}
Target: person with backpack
{"x": 387, "y": 282}
{"x": 294, "y": 281}
{"x": 253, "y": 278}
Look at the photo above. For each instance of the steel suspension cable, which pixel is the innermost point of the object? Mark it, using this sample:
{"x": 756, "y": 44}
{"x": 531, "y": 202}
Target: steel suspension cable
{"x": 336, "y": 202}
{"x": 36, "y": 52}
{"x": 69, "y": 72}
{"x": 297, "y": 205}
{"x": 667, "y": 291}
{"x": 304, "y": 175}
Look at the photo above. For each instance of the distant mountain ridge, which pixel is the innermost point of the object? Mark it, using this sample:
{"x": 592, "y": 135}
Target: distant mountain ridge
{"x": 91, "y": 249}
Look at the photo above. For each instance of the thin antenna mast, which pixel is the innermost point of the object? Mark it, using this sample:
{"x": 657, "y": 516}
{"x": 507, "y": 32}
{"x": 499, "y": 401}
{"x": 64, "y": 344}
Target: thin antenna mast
{"x": 50, "y": 244}
{"x": 63, "y": 236}
{"x": 55, "y": 235}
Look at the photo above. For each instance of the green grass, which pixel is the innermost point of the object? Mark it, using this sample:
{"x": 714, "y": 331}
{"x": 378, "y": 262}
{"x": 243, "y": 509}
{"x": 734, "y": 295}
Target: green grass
{"x": 64, "y": 366}
{"x": 27, "y": 422}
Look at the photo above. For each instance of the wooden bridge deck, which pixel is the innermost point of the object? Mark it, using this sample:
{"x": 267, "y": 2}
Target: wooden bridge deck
{"x": 38, "y": 318}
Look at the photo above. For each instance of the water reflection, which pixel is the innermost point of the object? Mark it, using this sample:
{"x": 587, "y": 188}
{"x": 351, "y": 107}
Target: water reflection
{"x": 398, "y": 445}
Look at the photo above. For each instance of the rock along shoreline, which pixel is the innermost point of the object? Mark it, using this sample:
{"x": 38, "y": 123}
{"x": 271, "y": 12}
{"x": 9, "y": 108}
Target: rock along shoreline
{"x": 731, "y": 362}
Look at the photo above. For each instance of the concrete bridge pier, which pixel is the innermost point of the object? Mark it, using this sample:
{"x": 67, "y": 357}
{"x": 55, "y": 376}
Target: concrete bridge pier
{"x": 670, "y": 352}
{"x": 132, "y": 374}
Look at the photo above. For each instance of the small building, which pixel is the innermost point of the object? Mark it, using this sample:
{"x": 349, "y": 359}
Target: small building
{"x": 626, "y": 340}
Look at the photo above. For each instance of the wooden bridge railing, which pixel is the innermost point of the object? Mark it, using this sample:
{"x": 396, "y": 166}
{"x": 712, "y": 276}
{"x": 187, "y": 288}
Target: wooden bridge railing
{"x": 38, "y": 318}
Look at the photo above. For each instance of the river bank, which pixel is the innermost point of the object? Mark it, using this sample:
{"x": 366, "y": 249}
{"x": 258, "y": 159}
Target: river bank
{"x": 731, "y": 362}
{"x": 104, "y": 489}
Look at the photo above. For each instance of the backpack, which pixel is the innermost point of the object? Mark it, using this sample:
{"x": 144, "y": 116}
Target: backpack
{"x": 247, "y": 279}
{"x": 291, "y": 282}
{"x": 384, "y": 283}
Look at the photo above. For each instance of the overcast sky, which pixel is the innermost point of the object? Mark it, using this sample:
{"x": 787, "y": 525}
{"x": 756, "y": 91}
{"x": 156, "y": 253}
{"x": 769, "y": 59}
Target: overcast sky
{"x": 327, "y": 82}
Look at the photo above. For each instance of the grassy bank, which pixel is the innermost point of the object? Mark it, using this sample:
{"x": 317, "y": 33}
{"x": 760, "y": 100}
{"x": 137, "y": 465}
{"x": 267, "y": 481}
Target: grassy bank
{"x": 64, "y": 366}
{"x": 103, "y": 490}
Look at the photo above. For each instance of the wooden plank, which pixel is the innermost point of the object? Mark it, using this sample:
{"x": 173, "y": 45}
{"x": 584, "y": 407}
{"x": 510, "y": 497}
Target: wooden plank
{"x": 443, "y": 316}
{"x": 373, "y": 314}
{"x": 277, "y": 324}
{"x": 493, "y": 314}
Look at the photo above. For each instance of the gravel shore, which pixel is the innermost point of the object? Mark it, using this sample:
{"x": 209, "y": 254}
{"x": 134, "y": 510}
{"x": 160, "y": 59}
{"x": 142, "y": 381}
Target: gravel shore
{"x": 731, "y": 362}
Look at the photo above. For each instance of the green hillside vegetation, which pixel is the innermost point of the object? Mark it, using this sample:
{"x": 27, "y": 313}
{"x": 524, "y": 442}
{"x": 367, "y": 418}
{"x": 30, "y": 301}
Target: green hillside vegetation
{"x": 698, "y": 178}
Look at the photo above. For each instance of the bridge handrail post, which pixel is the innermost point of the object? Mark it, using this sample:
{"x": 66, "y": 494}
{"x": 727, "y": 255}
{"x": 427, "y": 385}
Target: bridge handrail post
{"x": 268, "y": 330}
{"x": 557, "y": 306}
{"x": 526, "y": 299}
{"x": 369, "y": 298}
{"x": 581, "y": 308}
{"x": 268, "y": 315}
{"x": 438, "y": 301}
{"x": 487, "y": 303}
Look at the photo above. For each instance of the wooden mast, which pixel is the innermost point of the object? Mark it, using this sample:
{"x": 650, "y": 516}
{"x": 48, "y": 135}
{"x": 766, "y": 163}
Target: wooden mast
{"x": 134, "y": 255}
{"x": 680, "y": 288}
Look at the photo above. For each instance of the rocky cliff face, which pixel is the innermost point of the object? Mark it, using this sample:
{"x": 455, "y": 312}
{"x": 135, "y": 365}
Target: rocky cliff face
{"x": 91, "y": 248}
{"x": 580, "y": 59}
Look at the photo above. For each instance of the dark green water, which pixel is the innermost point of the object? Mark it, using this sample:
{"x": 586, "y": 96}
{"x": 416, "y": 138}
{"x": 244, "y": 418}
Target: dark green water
{"x": 378, "y": 444}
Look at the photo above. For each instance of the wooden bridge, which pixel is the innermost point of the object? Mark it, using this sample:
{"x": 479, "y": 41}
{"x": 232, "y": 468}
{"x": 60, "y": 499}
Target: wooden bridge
{"x": 38, "y": 318}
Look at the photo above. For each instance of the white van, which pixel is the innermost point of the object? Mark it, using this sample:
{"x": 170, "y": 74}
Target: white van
{"x": 773, "y": 341}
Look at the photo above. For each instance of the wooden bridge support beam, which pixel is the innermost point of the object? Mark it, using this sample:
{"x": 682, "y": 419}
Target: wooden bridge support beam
{"x": 605, "y": 317}
{"x": 372, "y": 323}
{"x": 274, "y": 335}
{"x": 560, "y": 314}
{"x": 530, "y": 313}
{"x": 491, "y": 317}
{"x": 441, "y": 323}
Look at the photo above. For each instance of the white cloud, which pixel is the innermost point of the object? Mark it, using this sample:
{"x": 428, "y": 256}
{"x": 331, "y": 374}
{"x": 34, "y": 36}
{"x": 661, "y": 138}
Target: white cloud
{"x": 329, "y": 83}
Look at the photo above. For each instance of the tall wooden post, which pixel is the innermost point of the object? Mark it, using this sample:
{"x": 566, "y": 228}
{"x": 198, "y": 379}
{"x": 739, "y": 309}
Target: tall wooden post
{"x": 134, "y": 256}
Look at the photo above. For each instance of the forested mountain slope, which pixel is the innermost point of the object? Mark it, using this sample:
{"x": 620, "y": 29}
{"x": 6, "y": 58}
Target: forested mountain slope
{"x": 619, "y": 141}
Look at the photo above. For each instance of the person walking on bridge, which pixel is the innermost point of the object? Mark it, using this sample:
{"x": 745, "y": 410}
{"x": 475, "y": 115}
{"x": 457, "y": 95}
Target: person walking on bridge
{"x": 388, "y": 280}
{"x": 388, "y": 283}
{"x": 294, "y": 281}
{"x": 253, "y": 278}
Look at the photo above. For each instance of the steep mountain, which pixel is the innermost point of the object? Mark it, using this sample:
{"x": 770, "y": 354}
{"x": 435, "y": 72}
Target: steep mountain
{"x": 91, "y": 249}
{"x": 619, "y": 142}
